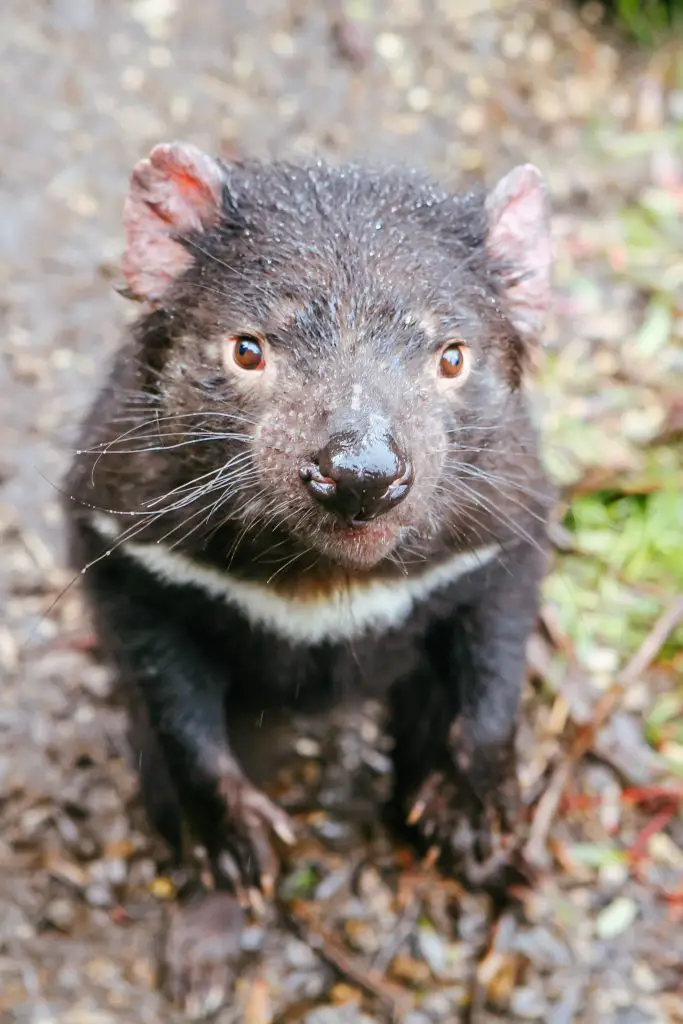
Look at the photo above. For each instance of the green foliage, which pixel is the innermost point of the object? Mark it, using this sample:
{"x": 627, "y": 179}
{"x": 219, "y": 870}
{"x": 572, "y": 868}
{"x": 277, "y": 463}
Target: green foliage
{"x": 629, "y": 565}
{"x": 607, "y": 403}
{"x": 300, "y": 884}
{"x": 637, "y": 536}
{"x": 646, "y": 21}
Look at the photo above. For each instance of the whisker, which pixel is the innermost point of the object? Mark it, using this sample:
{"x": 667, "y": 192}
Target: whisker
{"x": 478, "y": 473}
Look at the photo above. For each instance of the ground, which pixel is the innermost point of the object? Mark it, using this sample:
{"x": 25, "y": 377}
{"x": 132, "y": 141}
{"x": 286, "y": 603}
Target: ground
{"x": 466, "y": 89}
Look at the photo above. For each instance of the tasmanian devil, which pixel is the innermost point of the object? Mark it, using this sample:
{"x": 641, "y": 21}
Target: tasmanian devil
{"x": 313, "y": 471}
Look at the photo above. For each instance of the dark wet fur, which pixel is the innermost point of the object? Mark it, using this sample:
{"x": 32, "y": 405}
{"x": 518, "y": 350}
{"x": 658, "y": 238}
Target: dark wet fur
{"x": 353, "y": 253}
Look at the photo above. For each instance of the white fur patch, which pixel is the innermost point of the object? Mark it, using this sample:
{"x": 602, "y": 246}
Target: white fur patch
{"x": 343, "y": 614}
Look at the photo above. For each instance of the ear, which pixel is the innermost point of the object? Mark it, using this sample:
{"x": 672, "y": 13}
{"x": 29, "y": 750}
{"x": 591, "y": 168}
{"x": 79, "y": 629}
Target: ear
{"x": 520, "y": 244}
{"x": 176, "y": 190}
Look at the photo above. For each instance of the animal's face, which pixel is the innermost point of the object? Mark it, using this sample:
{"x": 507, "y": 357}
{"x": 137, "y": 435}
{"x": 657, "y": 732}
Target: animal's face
{"x": 347, "y": 346}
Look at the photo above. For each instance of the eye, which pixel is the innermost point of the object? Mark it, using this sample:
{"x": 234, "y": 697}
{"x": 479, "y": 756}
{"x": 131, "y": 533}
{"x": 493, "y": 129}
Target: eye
{"x": 454, "y": 360}
{"x": 247, "y": 352}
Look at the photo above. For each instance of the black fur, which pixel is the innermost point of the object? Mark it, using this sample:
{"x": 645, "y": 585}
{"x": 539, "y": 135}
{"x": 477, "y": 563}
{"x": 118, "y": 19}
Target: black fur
{"x": 360, "y": 259}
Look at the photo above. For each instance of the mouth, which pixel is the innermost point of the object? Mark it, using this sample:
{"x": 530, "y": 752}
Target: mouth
{"x": 361, "y": 544}
{"x": 361, "y": 527}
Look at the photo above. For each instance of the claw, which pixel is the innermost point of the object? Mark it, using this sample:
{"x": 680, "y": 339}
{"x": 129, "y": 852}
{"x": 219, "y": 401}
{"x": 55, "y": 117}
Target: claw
{"x": 459, "y": 830}
{"x": 285, "y": 832}
{"x": 417, "y": 810}
{"x": 253, "y": 821}
{"x": 255, "y": 898}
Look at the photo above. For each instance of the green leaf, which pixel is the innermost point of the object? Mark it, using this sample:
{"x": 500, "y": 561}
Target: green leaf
{"x": 655, "y": 332}
{"x": 616, "y": 918}
{"x": 596, "y": 855}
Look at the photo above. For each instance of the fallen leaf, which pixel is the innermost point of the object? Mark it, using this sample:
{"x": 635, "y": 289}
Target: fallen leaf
{"x": 616, "y": 918}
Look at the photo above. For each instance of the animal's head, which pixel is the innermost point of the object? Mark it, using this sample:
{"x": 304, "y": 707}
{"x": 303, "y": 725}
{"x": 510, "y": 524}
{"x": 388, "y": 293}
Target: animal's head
{"x": 345, "y": 345}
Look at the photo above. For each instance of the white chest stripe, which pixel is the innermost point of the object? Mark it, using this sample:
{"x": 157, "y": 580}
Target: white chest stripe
{"x": 339, "y": 615}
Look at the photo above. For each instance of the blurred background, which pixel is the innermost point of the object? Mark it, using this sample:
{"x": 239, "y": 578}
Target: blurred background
{"x": 593, "y": 94}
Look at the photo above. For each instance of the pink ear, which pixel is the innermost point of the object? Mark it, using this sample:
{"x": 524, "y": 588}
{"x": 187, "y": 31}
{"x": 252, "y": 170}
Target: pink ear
{"x": 176, "y": 190}
{"x": 519, "y": 239}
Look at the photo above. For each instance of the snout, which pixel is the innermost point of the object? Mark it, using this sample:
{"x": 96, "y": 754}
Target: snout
{"x": 359, "y": 476}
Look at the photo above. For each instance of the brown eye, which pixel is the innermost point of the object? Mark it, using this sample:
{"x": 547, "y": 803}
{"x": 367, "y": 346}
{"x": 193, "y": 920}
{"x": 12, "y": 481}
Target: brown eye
{"x": 453, "y": 360}
{"x": 248, "y": 352}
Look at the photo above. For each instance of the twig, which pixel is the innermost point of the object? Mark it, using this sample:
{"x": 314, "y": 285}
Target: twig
{"x": 652, "y": 643}
{"x": 638, "y": 848}
{"x": 399, "y": 935}
{"x": 550, "y": 801}
{"x": 392, "y": 998}
{"x": 546, "y": 809}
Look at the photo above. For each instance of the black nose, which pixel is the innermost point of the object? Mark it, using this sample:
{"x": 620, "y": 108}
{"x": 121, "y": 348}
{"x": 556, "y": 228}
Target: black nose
{"x": 358, "y": 477}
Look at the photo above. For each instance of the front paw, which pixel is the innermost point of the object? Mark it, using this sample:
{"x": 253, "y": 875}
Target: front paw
{"x": 253, "y": 820}
{"x": 475, "y": 839}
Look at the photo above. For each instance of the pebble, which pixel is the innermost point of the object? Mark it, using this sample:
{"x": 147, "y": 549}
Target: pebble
{"x": 542, "y": 948}
{"x": 307, "y": 747}
{"x": 471, "y": 120}
{"x": 99, "y": 896}
{"x": 252, "y": 939}
{"x": 338, "y": 1015}
{"x": 437, "y": 1006}
{"x": 528, "y": 1004}
{"x": 644, "y": 977}
{"x": 363, "y": 936}
{"x": 301, "y": 956}
{"x": 84, "y": 1014}
{"x": 108, "y": 872}
{"x": 389, "y": 46}
{"x": 408, "y": 969}
{"x": 419, "y": 98}
{"x": 306, "y": 984}
{"x": 60, "y": 913}
{"x": 432, "y": 948}
{"x": 97, "y": 680}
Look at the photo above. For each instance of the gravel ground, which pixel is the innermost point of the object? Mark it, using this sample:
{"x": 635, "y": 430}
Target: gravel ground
{"x": 467, "y": 89}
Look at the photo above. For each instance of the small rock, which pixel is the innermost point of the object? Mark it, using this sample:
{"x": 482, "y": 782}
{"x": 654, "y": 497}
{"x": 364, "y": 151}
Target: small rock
{"x": 362, "y": 935}
{"x": 331, "y": 884}
{"x": 102, "y": 798}
{"x": 108, "y": 872}
{"x": 162, "y": 888}
{"x": 644, "y": 977}
{"x": 432, "y": 949}
{"x": 252, "y": 939}
{"x": 408, "y": 969}
{"x": 306, "y": 747}
{"x": 60, "y": 914}
{"x": 33, "y": 821}
{"x": 306, "y": 984}
{"x": 438, "y": 1006}
{"x": 97, "y": 680}
{"x": 99, "y": 896}
{"x": 419, "y": 98}
{"x": 343, "y": 994}
{"x": 298, "y": 954}
{"x": 542, "y": 948}
{"x": 527, "y": 1003}
{"x": 335, "y": 833}
{"x": 389, "y": 46}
